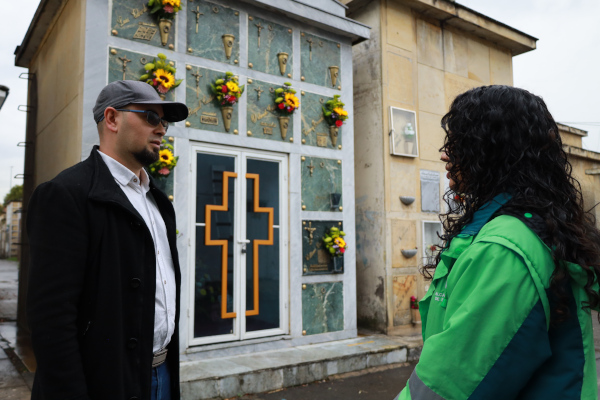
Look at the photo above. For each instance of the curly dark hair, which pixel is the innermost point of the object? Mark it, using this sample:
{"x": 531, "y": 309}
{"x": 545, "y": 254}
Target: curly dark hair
{"x": 503, "y": 139}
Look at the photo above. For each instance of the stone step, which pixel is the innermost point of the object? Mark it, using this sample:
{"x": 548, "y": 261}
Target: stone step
{"x": 225, "y": 377}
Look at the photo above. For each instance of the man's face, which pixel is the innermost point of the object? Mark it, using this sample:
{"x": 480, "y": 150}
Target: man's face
{"x": 137, "y": 138}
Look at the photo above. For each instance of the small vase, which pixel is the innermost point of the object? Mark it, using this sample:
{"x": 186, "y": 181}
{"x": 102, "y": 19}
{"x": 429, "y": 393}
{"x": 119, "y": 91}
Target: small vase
{"x": 227, "y": 113}
{"x": 165, "y": 27}
{"x": 228, "y": 44}
{"x": 284, "y": 122}
{"x": 333, "y": 133}
{"x": 416, "y": 316}
{"x": 283, "y": 59}
{"x": 338, "y": 264}
{"x": 334, "y": 199}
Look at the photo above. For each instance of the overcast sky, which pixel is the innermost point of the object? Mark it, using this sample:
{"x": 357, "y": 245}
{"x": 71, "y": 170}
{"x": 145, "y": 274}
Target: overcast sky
{"x": 563, "y": 69}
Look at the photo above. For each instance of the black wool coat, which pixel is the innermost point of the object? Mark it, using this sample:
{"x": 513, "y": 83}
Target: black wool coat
{"x": 92, "y": 287}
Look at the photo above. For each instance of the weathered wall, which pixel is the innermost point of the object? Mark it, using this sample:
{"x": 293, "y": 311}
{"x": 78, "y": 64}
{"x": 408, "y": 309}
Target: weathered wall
{"x": 368, "y": 140}
{"x": 423, "y": 65}
{"x": 58, "y": 66}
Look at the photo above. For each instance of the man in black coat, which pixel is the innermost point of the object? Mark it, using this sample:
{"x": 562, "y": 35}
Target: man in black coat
{"x": 104, "y": 287}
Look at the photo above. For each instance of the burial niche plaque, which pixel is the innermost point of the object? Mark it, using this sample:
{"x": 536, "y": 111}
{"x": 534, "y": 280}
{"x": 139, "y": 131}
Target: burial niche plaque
{"x": 316, "y": 260}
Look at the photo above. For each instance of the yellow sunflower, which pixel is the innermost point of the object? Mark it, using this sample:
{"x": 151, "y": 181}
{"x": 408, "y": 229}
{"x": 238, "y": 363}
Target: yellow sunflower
{"x": 233, "y": 87}
{"x": 340, "y": 242}
{"x": 165, "y": 78}
{"x": 174, "y": 3}
{"x": 166, "y": 156}
{"x": 292, "y": 100}
{"x": 340, "y": 111}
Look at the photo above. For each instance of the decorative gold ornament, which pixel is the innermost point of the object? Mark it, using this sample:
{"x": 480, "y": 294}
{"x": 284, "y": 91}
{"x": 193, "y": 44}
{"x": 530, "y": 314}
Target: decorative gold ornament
{"x": 303, "y": 158}
{"x": 188, "y": 124}
{"x": 340, "y": 223}
{"x": 188, "y": 67}
{"x": 171, "y": 63}
{"x": 235, "y": 61}
{"x": 303, "y": 141}
{"x": 284, "y": 122}
{"x": 289, "y": 75}
{"x": 190, "y": 50}
{"x": 251, "y": 18}
{"x": 113, "y": 52}
{"x": 339, "y": 88}
{"x": 303, "y": 333}
{"x": 249, "y": 81}
{"x": 228, "y": 40}
{"x": 341, "y": 208}
{"x": 292, "y": 140}
{"x": 171, "y": 198}
{"x": 164, "y": 26}
{"x": 339, "y": 161}
{"x": 302, "y": 34}
{"x": 289, "y": 31}
{"x": 338, "y": 45}
{"x": 340, "y": 147}
{"x": 235, "y": 132}
{"x": 236, "y": 13}
{"x": 249, "y": 133}
{"x": 305, "y": 269}
{"x": 171, "y": 47}
{"x": 171, "y": 139}
{"x": 227, "y": 113}
{"x": 304, "y": 207}
{"x": 114, "y": 32}
{"x": 302, "y": 78}
{"x": 303, "y": 287}
{"x": 334, "y": 72}
{"x": 283, "y": 59}
{"x": 302, "y": 93}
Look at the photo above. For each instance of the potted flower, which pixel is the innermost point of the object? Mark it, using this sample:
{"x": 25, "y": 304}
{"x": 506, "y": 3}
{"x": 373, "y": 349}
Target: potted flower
{"x": 227, "y": 93}
{"x": 335, "y": 115}
{"x": 161, "y": 75}
{"x": 164, "y": 11}
{"x": 336, "y": 246}
{"x": 414, "y": 310}
{"x": 162, "y": 167}
{"x": 286, "y": 103}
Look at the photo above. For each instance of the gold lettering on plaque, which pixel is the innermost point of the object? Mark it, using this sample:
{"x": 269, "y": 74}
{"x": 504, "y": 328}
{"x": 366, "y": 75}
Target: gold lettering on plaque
{"x": 209, "y": 119}
{"x": 258, "y": 116}
{"x": 146, "y": 24}
{"x": 321, "y": 139}
{"x": 138, "y": 13}
{"x": 206, "y": 100}
{"x": 318, "y": 268}
{"x": 122, "y": 21}
{"x": 195, "y": 110}
{"x": 210, "y": 114}
{"x": 145, "y": 33}
{"x": 267, "y": 130}
{"x": 323, "y": 256}
{"x": 269, "y": 124}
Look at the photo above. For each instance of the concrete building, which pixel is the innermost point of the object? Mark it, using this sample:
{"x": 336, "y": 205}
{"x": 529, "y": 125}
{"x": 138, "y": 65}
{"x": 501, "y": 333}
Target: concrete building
{"x": 10, "y": 224}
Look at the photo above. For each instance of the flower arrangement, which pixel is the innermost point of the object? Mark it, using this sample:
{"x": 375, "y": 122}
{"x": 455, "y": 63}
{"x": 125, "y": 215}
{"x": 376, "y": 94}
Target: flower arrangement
{"x": 161, "y": 75}
{"x": 334, "y": 112}
{"x": 286, "y": 101}
{"x": 164, "y": 9}
{"x": 227, "y": 90}
{"x": 162, "y": 167}
{"x": 334, "y": 242}
{"x": 414, "y": 304}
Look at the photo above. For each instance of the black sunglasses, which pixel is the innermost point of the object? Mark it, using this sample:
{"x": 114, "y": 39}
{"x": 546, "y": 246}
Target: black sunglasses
{"x": 152, "y": 117}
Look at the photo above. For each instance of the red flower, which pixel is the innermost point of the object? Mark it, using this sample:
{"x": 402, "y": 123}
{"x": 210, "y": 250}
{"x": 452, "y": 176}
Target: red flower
{"x": 339, "y": 123}
{"x": 281, "y": 106}
{"x": 342, "y": 250}
{"x": 224, "y": 89}
{"x": 155, "y": 82}
{"x": 162, "y": 89}
{"x": 164, "y": 171}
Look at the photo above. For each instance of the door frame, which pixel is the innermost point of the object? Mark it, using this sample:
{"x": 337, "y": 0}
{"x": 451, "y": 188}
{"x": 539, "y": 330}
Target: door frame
{"x": 241, "y": 184}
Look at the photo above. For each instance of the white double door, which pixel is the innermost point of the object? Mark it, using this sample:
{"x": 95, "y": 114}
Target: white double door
{"x": 239, "y": 274}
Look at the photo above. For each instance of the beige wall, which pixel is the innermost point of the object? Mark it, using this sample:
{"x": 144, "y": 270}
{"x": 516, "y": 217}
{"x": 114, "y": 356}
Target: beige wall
{"x": 58, "y": 66}
{"x": 423, "y": 67}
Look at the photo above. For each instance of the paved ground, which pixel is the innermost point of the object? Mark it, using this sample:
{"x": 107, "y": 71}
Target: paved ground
{"x": 384, "y": 384}
{"x": 13, "y": 384}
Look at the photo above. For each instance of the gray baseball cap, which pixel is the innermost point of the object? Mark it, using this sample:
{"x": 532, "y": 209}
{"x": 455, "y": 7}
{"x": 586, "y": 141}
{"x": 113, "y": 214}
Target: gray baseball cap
{"x": 121, "y": 93}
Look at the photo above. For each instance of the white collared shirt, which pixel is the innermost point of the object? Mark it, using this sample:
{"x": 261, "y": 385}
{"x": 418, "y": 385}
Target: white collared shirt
{"x": 143, "y": 202}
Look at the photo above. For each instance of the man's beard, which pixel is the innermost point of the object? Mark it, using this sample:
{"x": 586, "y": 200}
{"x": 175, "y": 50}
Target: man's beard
{"x": 146, "y": 157}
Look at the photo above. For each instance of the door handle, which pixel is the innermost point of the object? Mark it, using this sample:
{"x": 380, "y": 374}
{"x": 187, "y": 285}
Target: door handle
{"x": 244, "y": 243}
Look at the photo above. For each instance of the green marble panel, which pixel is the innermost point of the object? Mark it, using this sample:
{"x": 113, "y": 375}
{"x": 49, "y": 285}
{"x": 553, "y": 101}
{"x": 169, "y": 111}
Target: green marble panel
{"x": 316, "y": 259}
{"x": 274, "y": 39}
{"x": 166, "y": 184}
{"x": 134, "y": 67}
{"x": 204, "y": 111}
{"x": 317, "y": 55}
{"x": 214, "y": 21}
{"x": 321, "y": 184}
{"x": 315, "y": 131}
{"x": 132, "y": 20}
{"x": 323, "y": 307}
{"x": 262, "y": 120}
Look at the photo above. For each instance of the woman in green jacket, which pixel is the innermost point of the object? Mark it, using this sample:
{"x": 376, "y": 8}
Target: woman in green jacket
{"x": 507, "y": 313}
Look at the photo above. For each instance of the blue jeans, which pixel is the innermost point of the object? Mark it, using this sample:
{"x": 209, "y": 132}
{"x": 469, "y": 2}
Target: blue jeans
{"x": 161, "y": 383}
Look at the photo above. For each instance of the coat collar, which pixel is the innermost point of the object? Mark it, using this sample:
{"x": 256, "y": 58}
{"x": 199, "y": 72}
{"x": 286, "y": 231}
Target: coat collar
{"x": 104, "y": 187}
